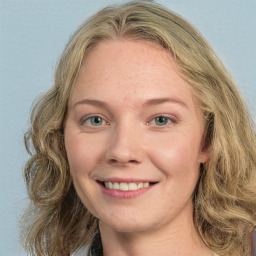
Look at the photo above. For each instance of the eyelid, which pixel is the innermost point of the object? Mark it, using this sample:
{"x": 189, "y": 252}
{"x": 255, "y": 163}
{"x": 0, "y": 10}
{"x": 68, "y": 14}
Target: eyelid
{"x": 85, "y": 118}
{"x": 170, "y": 117}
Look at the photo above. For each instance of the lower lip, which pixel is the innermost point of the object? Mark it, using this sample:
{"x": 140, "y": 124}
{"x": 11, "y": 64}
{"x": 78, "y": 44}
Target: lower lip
{"x": 120, "y": 194}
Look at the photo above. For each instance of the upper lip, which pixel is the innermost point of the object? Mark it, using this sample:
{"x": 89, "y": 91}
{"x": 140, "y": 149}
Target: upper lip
{"x": 127, "y": 180}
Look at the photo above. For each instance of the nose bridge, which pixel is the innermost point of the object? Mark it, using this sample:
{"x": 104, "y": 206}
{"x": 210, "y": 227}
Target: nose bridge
{"x": 125, "y": 142}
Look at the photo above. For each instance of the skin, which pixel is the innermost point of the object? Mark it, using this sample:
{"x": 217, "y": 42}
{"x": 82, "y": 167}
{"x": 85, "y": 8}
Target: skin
{"x": 128, "y": 84}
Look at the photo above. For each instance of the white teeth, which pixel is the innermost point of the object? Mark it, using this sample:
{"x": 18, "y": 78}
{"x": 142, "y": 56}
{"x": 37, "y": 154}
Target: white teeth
{"x": 116, "y": 185}
{"x": 132, "y": 186}
{"x": 145, "y": 185}
{"x": 124, "y": 186}
{"x": 110, "y": 185}
{"x": 140, "y": 185}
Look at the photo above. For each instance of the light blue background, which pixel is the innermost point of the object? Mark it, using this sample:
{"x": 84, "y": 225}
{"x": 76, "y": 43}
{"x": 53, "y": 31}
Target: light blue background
{"x": 33, "y": 34}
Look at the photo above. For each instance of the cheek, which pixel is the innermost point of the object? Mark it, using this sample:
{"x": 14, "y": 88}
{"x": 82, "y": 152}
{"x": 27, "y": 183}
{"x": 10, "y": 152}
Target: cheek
{"x": 83, "y": 153}
{"x": 177, "y": 162}
{"x": 176, "y": 157}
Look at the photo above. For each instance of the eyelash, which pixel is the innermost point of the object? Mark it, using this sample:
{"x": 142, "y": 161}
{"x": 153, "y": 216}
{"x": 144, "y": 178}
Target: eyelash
{"x": 171, "y": 120}
{"x": 85, "y": 119}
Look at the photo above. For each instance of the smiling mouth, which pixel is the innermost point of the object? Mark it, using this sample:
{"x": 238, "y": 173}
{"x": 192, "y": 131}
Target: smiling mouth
{"x": 126, "y": 186}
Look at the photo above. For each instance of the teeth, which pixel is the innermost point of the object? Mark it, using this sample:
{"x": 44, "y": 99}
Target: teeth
{"x": 124, "y": 186}
{"x": 145, "y": 185}
{"x": 110, "y": 185}
{"x": 132, "y": 186}
{"x": 116, "y": 185}
{"x": 140, "y": 185}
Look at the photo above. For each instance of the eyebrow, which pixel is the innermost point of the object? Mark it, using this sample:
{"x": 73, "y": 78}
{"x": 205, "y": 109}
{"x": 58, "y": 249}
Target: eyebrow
{"x": 158, "y": 101}
{"x": 96, "y": 103}
{"x": 149, "y": 102}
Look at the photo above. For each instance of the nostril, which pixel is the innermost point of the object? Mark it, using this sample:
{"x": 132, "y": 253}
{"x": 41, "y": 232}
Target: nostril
{"x": 113, "y": 160}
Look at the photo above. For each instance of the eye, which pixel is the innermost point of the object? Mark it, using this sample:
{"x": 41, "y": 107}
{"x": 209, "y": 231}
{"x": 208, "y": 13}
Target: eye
{"x": 161, "y": 120}
{"x": 94, "y": 121}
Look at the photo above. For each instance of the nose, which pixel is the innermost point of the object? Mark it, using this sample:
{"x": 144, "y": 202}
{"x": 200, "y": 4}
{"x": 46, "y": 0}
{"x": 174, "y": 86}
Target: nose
{"x": 125, "y": 145}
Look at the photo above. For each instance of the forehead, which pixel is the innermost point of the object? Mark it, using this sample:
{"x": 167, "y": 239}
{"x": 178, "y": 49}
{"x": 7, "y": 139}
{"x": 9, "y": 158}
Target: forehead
{"x": 126, "y": 71}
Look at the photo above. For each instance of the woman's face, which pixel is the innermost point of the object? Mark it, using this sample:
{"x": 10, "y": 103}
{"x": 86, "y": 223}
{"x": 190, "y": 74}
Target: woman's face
{"x": 134, "y": 136}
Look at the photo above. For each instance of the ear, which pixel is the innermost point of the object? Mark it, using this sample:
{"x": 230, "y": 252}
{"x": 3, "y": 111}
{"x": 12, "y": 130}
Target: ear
{"x": 203, "y": 155}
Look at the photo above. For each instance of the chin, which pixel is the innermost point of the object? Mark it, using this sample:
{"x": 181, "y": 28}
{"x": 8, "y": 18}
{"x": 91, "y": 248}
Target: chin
{"x": 128, "y": 224}
{"x": 128, "y": 227}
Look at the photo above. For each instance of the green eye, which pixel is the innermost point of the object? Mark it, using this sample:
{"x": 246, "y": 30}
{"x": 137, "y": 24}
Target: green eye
{"x": 161, "y": 120}
{"x": 94, "y": 121}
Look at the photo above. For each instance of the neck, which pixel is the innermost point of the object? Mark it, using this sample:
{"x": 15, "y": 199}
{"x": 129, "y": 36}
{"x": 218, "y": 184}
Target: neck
{"x": 177, "y": 238}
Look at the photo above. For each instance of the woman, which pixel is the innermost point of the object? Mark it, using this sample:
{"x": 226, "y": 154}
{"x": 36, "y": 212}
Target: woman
{"x": 143, "y": 146}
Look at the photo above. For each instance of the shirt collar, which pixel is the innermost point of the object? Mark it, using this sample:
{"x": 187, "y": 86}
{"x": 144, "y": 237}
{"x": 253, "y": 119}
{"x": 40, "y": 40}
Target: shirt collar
{"x": 96, "y": 247}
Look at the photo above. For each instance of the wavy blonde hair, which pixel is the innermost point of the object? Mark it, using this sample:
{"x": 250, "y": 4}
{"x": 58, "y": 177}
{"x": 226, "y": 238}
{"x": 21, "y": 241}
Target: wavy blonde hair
{"x": 57, "y": 223}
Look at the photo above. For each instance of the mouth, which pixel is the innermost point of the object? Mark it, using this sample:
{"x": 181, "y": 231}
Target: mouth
{"x": 125, "y": 186}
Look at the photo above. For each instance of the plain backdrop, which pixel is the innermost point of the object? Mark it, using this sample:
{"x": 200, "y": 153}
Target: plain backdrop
{"x": 33, "y": 34}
